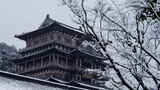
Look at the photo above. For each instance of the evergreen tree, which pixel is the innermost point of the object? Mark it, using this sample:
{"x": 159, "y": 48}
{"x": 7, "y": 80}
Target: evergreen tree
{"x": 7, "y": 53}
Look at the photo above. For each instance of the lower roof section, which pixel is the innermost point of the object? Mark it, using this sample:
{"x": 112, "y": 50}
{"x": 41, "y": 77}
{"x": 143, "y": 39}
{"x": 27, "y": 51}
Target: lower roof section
{"x": 10, "y": 81}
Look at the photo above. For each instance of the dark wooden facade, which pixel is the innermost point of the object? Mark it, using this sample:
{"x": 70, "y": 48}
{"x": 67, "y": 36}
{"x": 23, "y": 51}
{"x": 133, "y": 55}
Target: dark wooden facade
{"x": 54, "y": 50}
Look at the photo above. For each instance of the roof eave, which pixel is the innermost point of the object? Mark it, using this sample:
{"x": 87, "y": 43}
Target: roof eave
{"x": 20, "y": 37}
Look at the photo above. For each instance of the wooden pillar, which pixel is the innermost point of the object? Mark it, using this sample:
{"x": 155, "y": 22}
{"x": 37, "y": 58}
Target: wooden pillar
{"x": 66, "y": 63}
{"x": 41, "y": 61}
{"x": 25, "y": 66}
{"x": 80, "y": 63}
{"x": 77, "y": 63}
{"x": 50, "y": 55}
{"x": 92, "y": 65}
{"x": 34, "y": 63}
{"x": 53, "y": 58}
{"x": 57, "y": 59}
{"x": 17, "y": 67}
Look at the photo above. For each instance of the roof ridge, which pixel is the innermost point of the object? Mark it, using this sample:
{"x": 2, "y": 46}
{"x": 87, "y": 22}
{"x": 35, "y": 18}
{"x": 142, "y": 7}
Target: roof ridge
{"x": 47, "y": 21}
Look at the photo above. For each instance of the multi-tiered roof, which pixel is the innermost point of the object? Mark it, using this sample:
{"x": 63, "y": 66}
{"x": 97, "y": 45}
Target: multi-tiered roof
{"x": 56, "y": 50}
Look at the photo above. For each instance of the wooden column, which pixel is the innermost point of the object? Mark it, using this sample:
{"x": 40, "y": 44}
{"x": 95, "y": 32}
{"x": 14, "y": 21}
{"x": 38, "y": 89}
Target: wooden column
{"x": 66, "y": 63}
{"x": 17, "y": 67}
{"x": 50, "y": 58}
{"x": 34, "y": 63}
{"x": 80, "y": 63}
{"x": 53, "y": 58}
{"x": 77, "y": 63}
{"x": 41, "y": 61}
{"x": 25, "y": 66}
{"x": 92, "y": 66}
{"x": 57, "y": 60}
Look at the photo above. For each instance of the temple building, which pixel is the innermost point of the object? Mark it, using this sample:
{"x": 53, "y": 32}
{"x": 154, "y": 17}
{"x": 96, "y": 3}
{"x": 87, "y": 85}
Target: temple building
{"x": 55, "y": 52}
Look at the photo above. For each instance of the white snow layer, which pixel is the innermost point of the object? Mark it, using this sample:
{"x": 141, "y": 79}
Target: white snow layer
{"x": 11, "y": 84}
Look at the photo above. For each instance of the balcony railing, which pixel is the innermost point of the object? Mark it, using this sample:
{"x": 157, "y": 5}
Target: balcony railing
{"x": 63, "y": 66}
{"x": 43, "y": 44}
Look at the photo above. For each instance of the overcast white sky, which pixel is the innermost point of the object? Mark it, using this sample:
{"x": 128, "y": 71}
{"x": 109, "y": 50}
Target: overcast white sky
{"x": 18, "y": 16}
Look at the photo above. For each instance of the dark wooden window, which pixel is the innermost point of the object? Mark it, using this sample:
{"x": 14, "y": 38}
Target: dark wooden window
{"x": 21, "y": 67}
{"x": 35, "y": 42}
{"x": 68, "y": 40}
{"x": 62, "y": 60}
{"x": 46, "y": 60}
{"x": 38, "y": 63}
{"x": 29, "y": 65}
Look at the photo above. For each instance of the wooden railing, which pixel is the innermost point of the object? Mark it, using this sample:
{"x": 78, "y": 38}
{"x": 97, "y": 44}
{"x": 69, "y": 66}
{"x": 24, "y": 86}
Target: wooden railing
{"x": 66, "y": 67}
{"x": 43, "y": 44}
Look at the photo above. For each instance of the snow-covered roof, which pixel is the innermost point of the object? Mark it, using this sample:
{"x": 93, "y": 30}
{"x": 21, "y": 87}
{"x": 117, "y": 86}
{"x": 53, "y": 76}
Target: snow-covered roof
{"x": 10, "y": 81}
{"x": 56, "y": 80}
{"x": 47, "y": 23}
{"x": 84, "y": 85}
{"x": 100, "y": 88}
{"x": 76, "y": 83}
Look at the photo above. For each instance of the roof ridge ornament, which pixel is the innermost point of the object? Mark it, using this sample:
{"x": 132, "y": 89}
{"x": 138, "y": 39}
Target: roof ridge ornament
{"x": 48, "y": 21}
{"x": 48, "y": 16}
